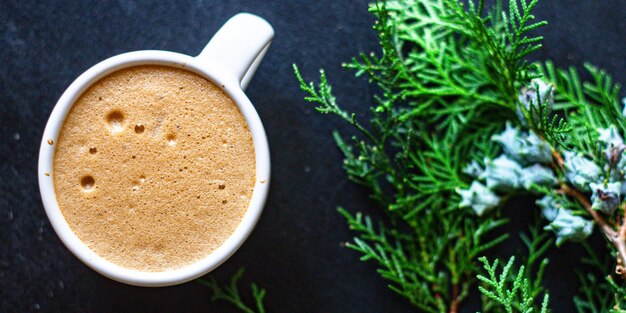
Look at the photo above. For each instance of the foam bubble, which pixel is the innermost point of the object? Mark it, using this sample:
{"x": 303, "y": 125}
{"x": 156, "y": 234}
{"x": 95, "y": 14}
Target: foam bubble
{"x": 171, "y": 139}
{"x": 139, "y": 128}
{"x": 87, "y": 182}
{"x": 115, "y": 119}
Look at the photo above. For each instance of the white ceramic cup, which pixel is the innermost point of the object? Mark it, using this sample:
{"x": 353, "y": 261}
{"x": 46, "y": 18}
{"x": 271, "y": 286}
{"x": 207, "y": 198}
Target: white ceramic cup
{"x": 229, "y": 60}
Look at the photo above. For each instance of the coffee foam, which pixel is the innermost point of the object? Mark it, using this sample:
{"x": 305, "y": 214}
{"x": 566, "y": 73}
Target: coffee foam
{"x": 154, "y": 168}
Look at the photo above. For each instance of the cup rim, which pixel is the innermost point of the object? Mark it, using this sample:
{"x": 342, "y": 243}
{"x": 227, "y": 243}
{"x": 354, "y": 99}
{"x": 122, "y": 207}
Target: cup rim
{"x": 213, "y": 73}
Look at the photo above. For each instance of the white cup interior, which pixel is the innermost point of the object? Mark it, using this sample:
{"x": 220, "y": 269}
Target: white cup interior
{"x": 221, "y": 77}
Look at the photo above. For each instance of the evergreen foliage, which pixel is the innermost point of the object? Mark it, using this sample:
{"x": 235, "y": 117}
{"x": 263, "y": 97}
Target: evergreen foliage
{"x": 451, "y": 74}
{"x": 517, "y": 289}
{"x": 230, "y": 293}
{"x": 442, "y": 93}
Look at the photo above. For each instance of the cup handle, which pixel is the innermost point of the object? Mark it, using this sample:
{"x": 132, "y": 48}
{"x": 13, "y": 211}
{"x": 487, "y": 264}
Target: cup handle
{"x": 239, "y": 46}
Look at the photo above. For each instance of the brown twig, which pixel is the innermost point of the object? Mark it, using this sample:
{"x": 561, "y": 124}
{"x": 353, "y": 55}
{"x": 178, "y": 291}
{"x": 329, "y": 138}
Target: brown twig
{"x": 559, "y": 159}
{"x": 616, "y": 237}
{"x": 622, "y": 229}
{"x": 454, "y": 306}
{"x": 582, "y": 199}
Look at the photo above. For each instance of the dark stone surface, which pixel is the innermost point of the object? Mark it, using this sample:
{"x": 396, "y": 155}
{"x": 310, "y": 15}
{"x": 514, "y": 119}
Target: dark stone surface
{"x": 295, "y": 250}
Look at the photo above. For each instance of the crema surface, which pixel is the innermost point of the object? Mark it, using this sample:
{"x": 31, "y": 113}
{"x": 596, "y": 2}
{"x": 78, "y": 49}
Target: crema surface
{"x": 154, "y": 167}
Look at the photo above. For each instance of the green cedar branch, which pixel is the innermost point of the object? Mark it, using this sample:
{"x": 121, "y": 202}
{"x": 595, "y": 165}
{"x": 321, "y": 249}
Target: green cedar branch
{"x": 442, "y": 96}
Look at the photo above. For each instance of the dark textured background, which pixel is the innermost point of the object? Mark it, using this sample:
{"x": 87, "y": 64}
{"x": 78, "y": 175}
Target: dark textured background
{"x": 295, "y": 251}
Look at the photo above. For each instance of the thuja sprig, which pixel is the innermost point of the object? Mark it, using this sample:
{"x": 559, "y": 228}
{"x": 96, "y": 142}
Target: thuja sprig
{"x": 583, "y": 178}
{"x": 429, "y": 262}
{"x": 442, "y": 97}
{"x": 230, "y": 293}
{"x": 509, "y": 44}
{"x": 596, "y": 119}
{"x": 586, "y": 165}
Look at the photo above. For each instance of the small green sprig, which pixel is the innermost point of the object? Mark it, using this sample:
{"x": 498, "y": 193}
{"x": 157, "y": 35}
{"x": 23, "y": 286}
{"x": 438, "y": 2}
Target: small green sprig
{"x": 506, "y": 41}
{"x": 411, "y": 263}
{"x": 518, "y": 289}
{"x": 588, "y": 105}
{"x": 230, "y": 293}
{"x": 511, "y": 290}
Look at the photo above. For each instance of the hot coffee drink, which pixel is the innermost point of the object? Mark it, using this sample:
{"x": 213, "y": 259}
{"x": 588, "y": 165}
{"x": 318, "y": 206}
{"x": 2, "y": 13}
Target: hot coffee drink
{"x": 154, "y": 167}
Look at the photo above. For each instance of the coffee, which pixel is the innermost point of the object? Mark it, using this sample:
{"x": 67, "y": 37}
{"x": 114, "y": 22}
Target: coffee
{"x": 154, "y": 167}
